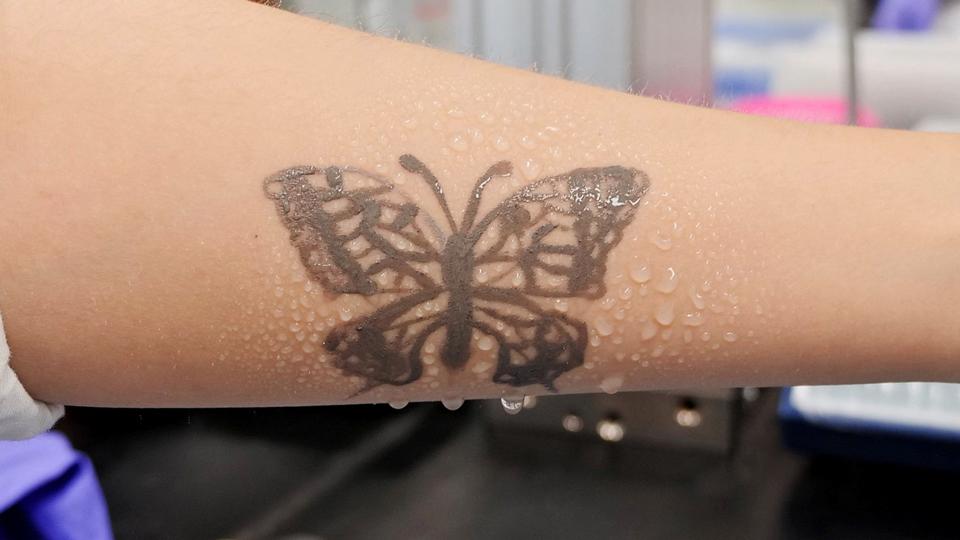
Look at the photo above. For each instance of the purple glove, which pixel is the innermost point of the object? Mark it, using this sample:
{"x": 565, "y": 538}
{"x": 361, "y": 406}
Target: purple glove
{"x": 910, "y": 15}
{"x": 49, "y": 491}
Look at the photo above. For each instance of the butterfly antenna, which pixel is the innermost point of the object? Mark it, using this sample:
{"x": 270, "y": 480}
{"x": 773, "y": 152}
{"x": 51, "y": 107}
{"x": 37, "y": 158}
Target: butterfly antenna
{"x": 502, "y": 168}
{"x": 414, "y": 165}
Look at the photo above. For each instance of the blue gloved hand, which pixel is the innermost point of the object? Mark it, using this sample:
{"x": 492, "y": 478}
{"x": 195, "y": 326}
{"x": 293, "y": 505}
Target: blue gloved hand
{"x": 911, "y": 15}
{"x": 49, "y": 491}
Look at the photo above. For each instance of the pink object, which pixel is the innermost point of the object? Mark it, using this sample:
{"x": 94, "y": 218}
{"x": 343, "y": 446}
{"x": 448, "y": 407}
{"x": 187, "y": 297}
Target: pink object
{"x": 815, "y": 110}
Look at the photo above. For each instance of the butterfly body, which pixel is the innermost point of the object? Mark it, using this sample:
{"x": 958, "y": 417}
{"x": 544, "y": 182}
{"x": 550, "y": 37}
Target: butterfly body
{"x": 457, "y": 270}
{"x": 357, "y": 234}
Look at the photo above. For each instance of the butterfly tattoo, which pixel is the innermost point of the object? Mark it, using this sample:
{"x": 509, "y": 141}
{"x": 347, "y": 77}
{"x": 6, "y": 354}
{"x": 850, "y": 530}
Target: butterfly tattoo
{"x": 489, "y": 276}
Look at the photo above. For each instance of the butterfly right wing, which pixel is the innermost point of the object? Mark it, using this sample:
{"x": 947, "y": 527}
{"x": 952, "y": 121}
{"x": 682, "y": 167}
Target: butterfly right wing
{"x": 535, "y": 345}
{"x": 556, "y": 234}
{"x": 551, "y": 239}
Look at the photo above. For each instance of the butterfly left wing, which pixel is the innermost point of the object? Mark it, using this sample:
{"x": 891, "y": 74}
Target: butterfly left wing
{"x": 355, "y": 232}
{"x": 385, "y": 347}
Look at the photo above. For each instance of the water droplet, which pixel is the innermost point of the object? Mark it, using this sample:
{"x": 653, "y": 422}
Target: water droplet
{"x": 485, "y": 343}
{"x": 528, "y": 142}
{"x": 512, "y": 405}
{"x": 517, "y": 279}
{"x": 705, "y": 336}
{"x": 410, "y": 123}
{"x": 611, "y": 385}
{"x": 693, "y": 319}
{"x": 452, "y": 404}
{"x": 561, "y": 306}
{"x": 626, "y": 293}
{"x": 501, "y": 143}
{"x": 669, "y": 282}
{"x": 398, "y": 404}
{"x": 661, "y": 241}
{"x": 481, "y": 275}
{"x": 648, "y": 330}
{"x": 603, "y": 326}
{"x": 458, "y": 142}
{"x": 455, "y": 112}
{"x": 729, "y": 337}
{"x": 530, "y": 168}
{"x": 640, "y": 273}
{"x": 664, "y": 313}
{"x": 481, "y": 367}
{"x": 487, "y": 118}
{"x": 697, "y": 298}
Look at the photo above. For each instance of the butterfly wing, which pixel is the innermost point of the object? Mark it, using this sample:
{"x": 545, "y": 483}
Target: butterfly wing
{"x": 385, "y": 347}
{"x": 357, "y": 234}
{"x": 534, "y": 345}
{"x": 551, "y": 239}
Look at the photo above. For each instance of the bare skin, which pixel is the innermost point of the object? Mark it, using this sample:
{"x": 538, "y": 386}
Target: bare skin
{"x": 142, "y": 262}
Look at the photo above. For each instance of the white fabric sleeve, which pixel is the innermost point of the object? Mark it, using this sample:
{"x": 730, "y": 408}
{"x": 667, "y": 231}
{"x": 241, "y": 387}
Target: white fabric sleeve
{"x": 21, "y": 417}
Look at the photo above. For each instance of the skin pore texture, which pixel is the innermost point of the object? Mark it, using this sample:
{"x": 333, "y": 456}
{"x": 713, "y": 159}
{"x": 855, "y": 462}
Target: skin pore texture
{"x": 217, "y": 203}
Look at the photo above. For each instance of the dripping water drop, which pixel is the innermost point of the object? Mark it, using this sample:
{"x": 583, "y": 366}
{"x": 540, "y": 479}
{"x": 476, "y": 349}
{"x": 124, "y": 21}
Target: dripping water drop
{"x": 452, "y": 404}
{"x": 512, "y": 405}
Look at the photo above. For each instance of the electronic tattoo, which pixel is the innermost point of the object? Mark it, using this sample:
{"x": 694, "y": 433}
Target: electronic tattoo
{"x": 357, "y": 233}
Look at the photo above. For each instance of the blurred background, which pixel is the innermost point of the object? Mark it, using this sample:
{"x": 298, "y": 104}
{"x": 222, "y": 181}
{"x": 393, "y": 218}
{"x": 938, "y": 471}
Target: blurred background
{"x": 865, "y": 461}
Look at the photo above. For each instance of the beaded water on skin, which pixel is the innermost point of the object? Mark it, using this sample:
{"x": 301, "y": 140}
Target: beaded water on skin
{"x": 358, "y": 233}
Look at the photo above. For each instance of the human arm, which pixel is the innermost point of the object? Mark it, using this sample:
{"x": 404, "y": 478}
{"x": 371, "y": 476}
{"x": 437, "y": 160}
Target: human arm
{"x": 142, "y": 263}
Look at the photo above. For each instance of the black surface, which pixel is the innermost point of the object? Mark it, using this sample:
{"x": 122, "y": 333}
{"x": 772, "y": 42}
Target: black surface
{"x": 210, "y": 474}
